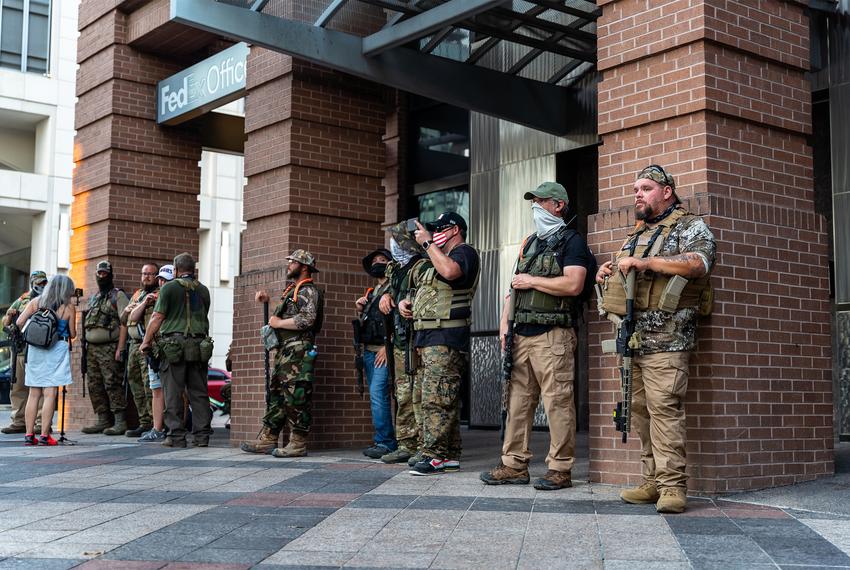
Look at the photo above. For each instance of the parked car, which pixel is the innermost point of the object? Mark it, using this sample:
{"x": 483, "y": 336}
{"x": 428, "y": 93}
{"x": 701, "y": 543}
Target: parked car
{"x": 216, "y": 380}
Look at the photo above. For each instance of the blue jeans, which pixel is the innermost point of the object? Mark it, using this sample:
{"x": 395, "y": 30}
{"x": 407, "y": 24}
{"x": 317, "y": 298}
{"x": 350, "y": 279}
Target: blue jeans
{"x": 379, "y": 396}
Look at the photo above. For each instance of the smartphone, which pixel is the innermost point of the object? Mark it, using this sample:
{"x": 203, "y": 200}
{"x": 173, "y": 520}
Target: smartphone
{"x": 411, "y": 225}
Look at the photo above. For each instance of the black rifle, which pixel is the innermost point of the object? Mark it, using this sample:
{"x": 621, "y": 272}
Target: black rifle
{"x": 84, "y": 353}
{"x": 627, "y": 341}
{"x": 125, "y": 362}
{"x": 358, "y": 355}
{"x": 389, "y": 348}
{"x": 15, "y": 347}
{"x": 266, "y": 366}
{"x": 508, "y": 362}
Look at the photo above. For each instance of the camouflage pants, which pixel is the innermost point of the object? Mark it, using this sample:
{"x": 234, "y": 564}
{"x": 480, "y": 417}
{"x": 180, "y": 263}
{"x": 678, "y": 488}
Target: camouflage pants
{"x": 409, "y": 406}
{"x": 137, "y": 377}
{"x": 105, "y": 379}
{"x": 290, "y": 390}
{"x": 440, "y": 371}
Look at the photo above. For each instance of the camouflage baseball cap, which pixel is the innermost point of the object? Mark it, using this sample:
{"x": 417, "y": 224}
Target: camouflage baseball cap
{"x": 305, "y": 257}
{"x": 37, "y": 277}
{"x": 549, "y": 190}
{"x": 658, "y": 174}
{"x": 103, "y": 266}
{"x": 404, "y": 238}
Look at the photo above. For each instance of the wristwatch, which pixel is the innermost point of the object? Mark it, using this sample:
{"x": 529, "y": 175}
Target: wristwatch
{"x": 426, "y": 244}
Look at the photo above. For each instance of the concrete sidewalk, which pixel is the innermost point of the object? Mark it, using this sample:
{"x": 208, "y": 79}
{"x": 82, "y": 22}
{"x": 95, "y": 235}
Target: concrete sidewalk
{"x": 110, "y": 503}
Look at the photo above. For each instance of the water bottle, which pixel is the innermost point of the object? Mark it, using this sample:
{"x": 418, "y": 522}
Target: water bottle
{"x": 309, "y": 359}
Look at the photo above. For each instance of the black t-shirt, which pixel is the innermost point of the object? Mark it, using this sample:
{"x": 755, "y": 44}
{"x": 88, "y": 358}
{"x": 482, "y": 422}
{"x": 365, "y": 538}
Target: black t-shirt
{"x": 571, "y": 251}
{"x": 457, "y": 337}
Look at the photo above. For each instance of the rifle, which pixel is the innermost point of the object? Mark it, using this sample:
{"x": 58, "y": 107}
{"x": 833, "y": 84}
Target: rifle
{"x": 358, "y": 355}
{"x": 627, "y": 341}
{"x": 125, "y": 362}
{"x": 266, "y": 367}
{"x": 15, "y": 346}
{"x": 389, "y": 348}
{"x": 508, "y": 362}
{"x": 84, "y": 352}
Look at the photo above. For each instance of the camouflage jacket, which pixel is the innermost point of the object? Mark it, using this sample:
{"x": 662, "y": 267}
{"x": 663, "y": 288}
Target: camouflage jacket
{"x": 673, "y": 332}
{"x": 302, "y": 306}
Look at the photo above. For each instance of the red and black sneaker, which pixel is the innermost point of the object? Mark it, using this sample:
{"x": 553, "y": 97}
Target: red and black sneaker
{"x": 29, "y": 439}
{"x": 429, "y": 466}
{"x": 47, "y": 440}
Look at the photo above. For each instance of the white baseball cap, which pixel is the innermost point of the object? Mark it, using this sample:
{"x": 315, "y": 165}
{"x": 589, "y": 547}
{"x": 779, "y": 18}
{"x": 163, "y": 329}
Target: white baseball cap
{"x": 166, "y": 272}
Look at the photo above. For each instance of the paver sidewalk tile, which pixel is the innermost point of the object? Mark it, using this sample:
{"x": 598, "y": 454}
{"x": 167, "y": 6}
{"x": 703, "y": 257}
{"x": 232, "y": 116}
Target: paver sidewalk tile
{"x": 101, "y": 564}
{"x": 722, "y": 549}
{"x": 394, "y": 559}
{"x": 225, "y": 555}
{"x": 38, "y": 563}
{"x": 309, "y": 558}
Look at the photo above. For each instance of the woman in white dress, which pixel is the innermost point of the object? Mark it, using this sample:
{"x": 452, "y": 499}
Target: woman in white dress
{"x": 49, "y": 368}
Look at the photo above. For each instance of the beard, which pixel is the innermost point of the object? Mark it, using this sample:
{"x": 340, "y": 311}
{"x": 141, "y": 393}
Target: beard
{"x": 149, "y": 288}
{"x": 645, "y": 213}
{"x": 294, "y": 273}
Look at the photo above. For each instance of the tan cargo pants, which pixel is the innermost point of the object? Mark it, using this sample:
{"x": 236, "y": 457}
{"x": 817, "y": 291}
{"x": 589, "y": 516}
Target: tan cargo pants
{"x": 544, "y": 365}
{"x": 659, "y": 384}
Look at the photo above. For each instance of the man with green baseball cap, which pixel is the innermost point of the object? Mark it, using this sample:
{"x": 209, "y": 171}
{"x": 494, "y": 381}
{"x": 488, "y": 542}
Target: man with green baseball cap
{"x": 19, "y": 393}
{"x": 553, "y": 272}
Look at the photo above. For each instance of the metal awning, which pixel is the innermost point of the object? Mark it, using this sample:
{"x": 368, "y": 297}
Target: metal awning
{"x": 516, "y": 60}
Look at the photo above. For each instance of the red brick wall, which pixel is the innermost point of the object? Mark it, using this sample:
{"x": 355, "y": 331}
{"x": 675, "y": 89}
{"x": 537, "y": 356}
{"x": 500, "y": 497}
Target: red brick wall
{"x": 315, "y": 162}
{"x": 715, "y": 92}
{"x": 135, "y": 184}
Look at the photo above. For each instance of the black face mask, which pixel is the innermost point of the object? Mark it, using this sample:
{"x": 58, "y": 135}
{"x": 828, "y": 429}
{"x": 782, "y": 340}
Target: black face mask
{"x": 104, "y": 284}
{"x": 378, "y": 270}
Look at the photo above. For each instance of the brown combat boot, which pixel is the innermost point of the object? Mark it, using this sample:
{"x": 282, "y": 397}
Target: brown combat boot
{"x": 554, "y": 480}
{"x": 673, "y": 500}
{"x": 646, "y": 493}
{"x": 504, "y": 475}
{"x": 119, "y": 427}
{"x": 266, "y": 441}
{"x": 297, "y": 446}
{"x": 103, "y": 422}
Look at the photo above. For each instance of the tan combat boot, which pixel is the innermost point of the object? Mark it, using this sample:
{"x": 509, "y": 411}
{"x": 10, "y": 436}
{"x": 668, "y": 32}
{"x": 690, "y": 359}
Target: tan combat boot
{"x": 297, "y": 447}
{"x": 504, "y": 475}
{"x": 673, "y": 500}
{"x": 266, "y": 441}
{"x": 119, "y": 427}
{"x": 646, "y": 493}
{"x": 101, "y": 424}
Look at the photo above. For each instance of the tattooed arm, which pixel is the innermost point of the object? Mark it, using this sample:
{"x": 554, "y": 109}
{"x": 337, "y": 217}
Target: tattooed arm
{"x": 689, "y": 265}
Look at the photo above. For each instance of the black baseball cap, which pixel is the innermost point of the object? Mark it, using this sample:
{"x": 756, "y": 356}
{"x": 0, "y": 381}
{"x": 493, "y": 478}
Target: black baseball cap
{"x": 445, "y": 220}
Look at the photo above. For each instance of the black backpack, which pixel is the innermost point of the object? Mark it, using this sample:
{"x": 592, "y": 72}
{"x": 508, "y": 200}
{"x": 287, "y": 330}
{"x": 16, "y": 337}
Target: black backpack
{"x": 42, "y": 329}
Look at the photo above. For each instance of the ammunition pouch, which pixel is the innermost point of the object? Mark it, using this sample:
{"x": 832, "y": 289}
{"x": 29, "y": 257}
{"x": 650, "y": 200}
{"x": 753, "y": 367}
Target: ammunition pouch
{"x": 191, "y": 350}
{"x": 551, "y": 319}
{"x": 655, "y": 291}
{"x": 269, "y": 338}
{"x": 170, "y": 349}
{"x": 424, "y": 325}
{"x": 206, "y": 349}
{"x": 537, "y": 307}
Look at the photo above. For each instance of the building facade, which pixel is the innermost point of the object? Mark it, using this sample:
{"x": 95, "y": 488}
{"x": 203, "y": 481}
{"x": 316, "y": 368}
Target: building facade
{"x": 338, "y": 143}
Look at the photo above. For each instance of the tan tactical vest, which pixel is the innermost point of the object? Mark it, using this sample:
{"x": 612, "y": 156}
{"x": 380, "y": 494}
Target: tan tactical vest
{"x": 288, "y": 308}
{"x": 540, "y": 259}
{"x": 132, "y": 326}
{"x": 655, "y": 291}
{"x": 102, "y": 314}
{"x": 435, "y": 299}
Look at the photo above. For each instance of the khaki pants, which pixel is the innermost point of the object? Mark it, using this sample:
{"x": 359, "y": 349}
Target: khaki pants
{"x": 543, "y": 366}
{"x": 18, "y": 396}
{"x": 659, "y": 384}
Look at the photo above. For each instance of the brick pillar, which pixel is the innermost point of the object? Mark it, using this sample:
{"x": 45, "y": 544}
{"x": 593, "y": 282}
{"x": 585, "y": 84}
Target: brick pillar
{"x": 315, "y": 161}
{"x": 714, "y": 90}
{"x": 135, "y": 184}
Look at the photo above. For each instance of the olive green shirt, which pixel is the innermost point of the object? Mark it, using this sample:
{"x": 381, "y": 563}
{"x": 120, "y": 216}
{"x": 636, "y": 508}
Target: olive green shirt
{"x": 172, "y": 303}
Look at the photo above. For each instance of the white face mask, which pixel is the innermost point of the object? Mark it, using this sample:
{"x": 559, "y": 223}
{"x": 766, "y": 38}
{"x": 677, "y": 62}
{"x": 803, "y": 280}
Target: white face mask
{"x": 547, "y": 223}
{"x": 399, "y": 253}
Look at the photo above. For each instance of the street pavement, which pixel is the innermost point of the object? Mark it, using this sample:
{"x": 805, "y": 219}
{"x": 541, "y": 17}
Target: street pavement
{"x": 110, "y": 503}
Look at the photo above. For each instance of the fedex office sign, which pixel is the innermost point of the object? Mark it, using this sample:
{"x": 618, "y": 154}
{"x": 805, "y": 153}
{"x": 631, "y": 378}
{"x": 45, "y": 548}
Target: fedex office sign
{"x": 204, "y": 86}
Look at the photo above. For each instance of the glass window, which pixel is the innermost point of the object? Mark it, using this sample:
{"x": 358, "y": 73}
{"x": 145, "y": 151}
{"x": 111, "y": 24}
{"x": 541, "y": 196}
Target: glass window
{"x": 25, "y": 34}
{"x": 451, "y": 200}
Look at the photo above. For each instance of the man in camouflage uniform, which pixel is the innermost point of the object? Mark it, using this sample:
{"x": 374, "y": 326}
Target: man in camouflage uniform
{"x": 184, "y": 348}
{"x": 296, "y": 321}
{"x": 441, "y": 310}
{"x": 19, "y": 392}
{"x": 137, "y": 368}
{"x": 668, "y": 241}
{"x": 105, "y": 377}
{"x": 405, "y": 252}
